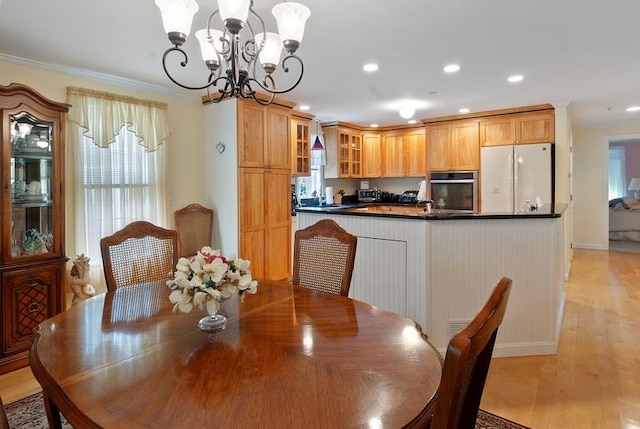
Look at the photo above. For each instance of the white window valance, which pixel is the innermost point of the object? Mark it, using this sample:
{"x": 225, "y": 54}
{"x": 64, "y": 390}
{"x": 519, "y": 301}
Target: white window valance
{"x": 102, "y": 115}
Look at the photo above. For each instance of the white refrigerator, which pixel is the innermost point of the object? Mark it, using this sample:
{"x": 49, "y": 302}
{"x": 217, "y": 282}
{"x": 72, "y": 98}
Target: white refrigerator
{"x": 517, "y": 178}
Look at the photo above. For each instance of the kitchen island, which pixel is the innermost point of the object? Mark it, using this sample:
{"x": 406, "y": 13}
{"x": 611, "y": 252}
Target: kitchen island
{"x": 439, "y": 268}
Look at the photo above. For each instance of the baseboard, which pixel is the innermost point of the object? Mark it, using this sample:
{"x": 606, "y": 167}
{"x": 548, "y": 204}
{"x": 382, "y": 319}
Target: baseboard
{"x": 590, "y": 246}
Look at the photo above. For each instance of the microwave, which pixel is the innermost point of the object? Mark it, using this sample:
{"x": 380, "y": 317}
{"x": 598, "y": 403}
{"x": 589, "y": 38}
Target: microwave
{"x": 368, "y": 195}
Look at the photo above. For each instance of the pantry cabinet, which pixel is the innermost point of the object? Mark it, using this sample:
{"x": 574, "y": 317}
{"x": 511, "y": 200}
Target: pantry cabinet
{"x": 32, "y": 248}
{"x": 453, "y": 146}
{"x": 519, "y": 128}
{"x": 264, "y": 161}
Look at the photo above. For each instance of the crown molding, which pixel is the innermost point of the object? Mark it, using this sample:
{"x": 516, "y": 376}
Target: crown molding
{"x": 94, "y": 75}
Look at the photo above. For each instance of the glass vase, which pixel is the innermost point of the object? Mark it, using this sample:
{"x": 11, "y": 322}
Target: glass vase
{"x": 212, "y": 322}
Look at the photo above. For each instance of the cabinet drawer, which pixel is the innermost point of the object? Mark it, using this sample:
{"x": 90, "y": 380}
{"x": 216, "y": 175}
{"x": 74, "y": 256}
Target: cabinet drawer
{"x": 29, "y": 299}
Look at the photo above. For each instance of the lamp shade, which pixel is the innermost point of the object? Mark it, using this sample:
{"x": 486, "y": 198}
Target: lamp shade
{"x": 208, "y": 47}
{"x": 291, "y": 18}
{"x": 317, "y": 144}
{"x": 177, "y": 15}
{"x": 271, "y": 49}
{"x": 234, "y": 9}
{"x": 634, "y": 185}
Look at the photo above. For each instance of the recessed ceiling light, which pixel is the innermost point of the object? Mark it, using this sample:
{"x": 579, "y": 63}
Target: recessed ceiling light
{"x": 374, "y": 125}
{"x": 412, "y": 121}
{"x": 464, "y": 110}
{"x": 515, "y": 78}
{"x": 371, "y": 67}
{"x": 303, "y": 107}
{"x": 633, "y": 108}
{"x": 452, "y": 68}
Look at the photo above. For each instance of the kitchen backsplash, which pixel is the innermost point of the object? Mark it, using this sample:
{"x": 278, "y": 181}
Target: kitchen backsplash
{"x": 393, "y": 185}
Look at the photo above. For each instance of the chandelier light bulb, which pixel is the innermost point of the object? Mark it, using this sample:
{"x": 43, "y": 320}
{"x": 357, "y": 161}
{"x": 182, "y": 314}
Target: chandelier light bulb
{"x": 407, "y": 112}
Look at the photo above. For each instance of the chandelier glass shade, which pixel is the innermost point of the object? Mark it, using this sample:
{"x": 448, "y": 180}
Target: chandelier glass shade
{"x": 241, "y": 56}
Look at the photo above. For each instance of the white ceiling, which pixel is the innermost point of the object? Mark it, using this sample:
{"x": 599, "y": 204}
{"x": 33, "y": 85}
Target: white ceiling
{"x": 570, "y": 51}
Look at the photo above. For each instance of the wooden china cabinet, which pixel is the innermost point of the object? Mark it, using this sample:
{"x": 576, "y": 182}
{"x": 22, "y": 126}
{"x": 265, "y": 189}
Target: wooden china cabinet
{"x": 32, "y": 251}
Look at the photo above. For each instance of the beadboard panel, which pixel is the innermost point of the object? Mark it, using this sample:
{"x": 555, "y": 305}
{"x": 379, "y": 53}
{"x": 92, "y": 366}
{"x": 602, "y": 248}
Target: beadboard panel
{"x": 389, "y": 270}
{"x": 468, "y": 257}
{"x": 449, "y": 268}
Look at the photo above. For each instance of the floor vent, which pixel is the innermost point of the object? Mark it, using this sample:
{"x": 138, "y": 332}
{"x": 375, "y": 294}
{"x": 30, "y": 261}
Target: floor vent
{"x": 455, "y": 326}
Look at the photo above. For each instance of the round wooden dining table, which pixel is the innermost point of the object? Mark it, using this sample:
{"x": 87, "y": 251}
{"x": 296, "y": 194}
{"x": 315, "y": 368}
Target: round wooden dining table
{"x": 289, "y": 357}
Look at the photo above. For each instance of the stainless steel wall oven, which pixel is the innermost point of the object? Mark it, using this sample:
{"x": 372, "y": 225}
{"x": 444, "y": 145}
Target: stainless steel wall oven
{"x": 455, "y": 191}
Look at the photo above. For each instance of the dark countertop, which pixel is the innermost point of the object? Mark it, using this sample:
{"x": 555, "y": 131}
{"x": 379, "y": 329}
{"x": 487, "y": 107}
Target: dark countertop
{"x": 413, "y": 211}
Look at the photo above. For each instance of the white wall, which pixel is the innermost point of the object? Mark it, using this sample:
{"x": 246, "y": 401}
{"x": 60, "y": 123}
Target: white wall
{"x": 591, "y": 216}
{"x": 221, "y": 173}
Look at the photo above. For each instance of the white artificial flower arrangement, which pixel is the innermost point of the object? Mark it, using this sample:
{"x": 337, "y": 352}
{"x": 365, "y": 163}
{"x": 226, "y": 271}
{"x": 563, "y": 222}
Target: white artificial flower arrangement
{"x": 207, "y": 279}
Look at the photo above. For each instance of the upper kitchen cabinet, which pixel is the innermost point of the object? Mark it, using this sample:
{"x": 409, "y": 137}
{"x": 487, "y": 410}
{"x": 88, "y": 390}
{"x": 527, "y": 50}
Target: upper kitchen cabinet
{"x": 453, "y": 145}
{"x": 519, "y": 128}
{"x": 416, "y": 153}
{"x": 32, "y": 248}
{"x": 263, "y": 136}
{"x": 301, "y": 144}
{"x": 343, "y": 148}
{"x": 404, "y": 153}
{"x": 371, "y": 154}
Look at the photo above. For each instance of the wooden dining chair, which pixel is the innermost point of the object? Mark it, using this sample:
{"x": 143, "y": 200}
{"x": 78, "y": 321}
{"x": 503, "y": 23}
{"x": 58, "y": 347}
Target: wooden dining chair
{"x": 466, "y": 364}
{"x": 4, "y": 422}
{"x": 138, "y": 253}
{"x": 194, "y": 224}
{"x": 323, "y": 257}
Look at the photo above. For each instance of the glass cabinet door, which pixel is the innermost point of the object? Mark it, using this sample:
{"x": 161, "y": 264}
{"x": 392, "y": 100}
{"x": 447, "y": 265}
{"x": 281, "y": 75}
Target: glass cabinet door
{"x": 31, "y": 172}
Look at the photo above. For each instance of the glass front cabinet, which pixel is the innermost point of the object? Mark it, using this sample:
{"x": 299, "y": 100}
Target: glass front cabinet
{"x": 32, "y": 253}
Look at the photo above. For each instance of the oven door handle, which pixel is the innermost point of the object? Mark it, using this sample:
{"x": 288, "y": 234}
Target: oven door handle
{"x": 452, "y": 181}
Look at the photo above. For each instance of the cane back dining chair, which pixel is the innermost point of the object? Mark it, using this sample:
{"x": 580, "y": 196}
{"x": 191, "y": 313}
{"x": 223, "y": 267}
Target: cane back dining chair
{"x": 323, "y": 257}
{"x": 138, "y": 253}
{"x": 466, "y": 364}
{"x": 4, "y": 423}
{"x": 194, "y": 224}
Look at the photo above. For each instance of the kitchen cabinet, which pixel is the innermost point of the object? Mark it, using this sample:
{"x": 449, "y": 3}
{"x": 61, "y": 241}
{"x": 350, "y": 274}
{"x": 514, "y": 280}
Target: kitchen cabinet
{"x": 32, "y": 248}
{"x": 404, "y": 153}
{"x": 393, "y": 154}
{"x": 343, "y": 148}
{"x": 453, "y": 146}
{"x": 263, "y": 136}
{"x": 519, "y": 128}
{"x": 300, "y": 145}
{"x": 265, "y": 221}
{"x": 264, "y": 187}
{"x": 371, "y": 154}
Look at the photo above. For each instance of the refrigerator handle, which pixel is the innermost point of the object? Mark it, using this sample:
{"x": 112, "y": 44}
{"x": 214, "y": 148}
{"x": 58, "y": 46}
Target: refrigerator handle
{"x": 512, "y": 169}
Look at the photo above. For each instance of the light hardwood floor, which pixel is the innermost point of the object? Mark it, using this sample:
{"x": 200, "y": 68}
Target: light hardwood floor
{"x": 593, "y": 381}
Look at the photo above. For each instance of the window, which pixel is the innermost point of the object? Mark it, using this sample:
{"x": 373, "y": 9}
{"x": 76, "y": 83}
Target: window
{"x": 617, "y": 172}
{"x": 117, "y": 185}
{"x": 115, "y": 168}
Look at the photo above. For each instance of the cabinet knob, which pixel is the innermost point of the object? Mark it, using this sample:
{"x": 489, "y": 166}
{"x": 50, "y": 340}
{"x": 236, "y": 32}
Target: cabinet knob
{"x": 33, "y": 307}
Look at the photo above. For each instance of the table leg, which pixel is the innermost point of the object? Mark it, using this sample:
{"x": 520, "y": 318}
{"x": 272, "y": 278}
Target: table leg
{"x": 53, "y": 414}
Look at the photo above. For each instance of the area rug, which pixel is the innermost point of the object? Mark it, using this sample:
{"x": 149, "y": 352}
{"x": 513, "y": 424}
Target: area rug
{"x": 28, "y": 413}
{"x": 486, "y": 420}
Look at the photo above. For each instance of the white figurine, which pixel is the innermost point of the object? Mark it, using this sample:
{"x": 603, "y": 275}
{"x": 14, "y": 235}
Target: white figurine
{"x": 80, "y": 279}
